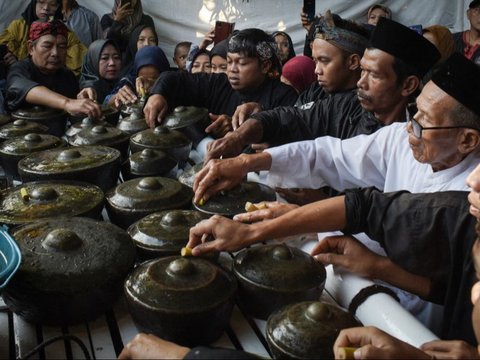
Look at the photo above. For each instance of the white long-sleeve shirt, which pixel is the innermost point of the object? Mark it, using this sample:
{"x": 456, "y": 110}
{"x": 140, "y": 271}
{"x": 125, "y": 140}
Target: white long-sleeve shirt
{"x": 383, "y": 159}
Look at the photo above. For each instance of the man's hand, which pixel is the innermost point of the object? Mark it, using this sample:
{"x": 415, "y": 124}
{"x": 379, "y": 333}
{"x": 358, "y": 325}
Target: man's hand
{"x": 83, "y": 106}
{"x": 302, "y": 196}
{"x": 218, "y": 175}
{"x": 155, "y": 110}
{"x": 345, "y": 252}
{"x": 125, "y": 96}
{"x": 243, "y": 112}
{"x": 87, "y": 93}
{"x": 227, "y": 235}
{"x": 273, "y": 209}
{"x": 220, "y": 126}
{"x": 146, "y": 346}
{"x": 228, "y": 146}
{"x": 450, "y": 349}
{"x": 373, "y": 343}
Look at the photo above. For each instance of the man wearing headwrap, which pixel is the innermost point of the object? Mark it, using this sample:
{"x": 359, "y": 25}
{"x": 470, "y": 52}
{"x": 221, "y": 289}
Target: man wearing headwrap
{"x": 435, "y": 151}
{"x": 42, "y": 78}
{"x": 253, "y": 75}
{"x": 15, "y": 36}
{"x": 392, "y": 65}
{"x": 428, "y": 238}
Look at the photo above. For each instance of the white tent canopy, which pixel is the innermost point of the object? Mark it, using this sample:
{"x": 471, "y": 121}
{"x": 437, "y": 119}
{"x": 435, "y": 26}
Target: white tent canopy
{"x": 189, "y": 20}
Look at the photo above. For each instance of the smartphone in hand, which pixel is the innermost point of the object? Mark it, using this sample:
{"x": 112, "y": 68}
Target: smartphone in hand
{"x": 222, "y": 31}
{"x": 309, "y": 9}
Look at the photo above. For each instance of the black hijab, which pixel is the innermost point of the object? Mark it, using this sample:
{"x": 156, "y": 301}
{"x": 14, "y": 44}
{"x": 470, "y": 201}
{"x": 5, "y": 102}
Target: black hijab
{"x": 90, "y": 75}
{"x": 131, "y": 51}
{"x": 30, "y": 15}
{"x": 291, "y": 50}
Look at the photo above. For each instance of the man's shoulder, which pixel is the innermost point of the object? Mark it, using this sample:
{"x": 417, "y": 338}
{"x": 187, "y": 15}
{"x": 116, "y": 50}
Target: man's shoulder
{"x": 23, "y": 65}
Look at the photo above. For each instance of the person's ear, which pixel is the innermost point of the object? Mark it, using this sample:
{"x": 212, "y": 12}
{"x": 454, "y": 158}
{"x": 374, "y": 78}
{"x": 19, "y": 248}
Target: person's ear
{"x": 30, "y": 47}
{"x": 266, "y": 66}
{"x": 410, "y": 85}
{"x": 469, "y": 141}
{"x": 354, "y": 62}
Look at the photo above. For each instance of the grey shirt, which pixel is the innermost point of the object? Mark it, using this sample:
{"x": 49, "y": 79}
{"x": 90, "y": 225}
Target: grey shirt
{"x": 85, "y": 24}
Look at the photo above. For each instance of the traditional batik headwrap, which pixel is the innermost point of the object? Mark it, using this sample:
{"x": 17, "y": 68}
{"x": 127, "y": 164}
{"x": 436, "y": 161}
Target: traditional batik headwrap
{"x": 53, "y": 27}
{"x": 344, "y": 39}
{"x": 256, "y": 43}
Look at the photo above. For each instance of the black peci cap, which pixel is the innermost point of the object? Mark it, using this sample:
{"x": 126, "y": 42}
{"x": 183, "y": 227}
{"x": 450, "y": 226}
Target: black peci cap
{"x": 460, "y": 78}
{"x": 405, "y": 44}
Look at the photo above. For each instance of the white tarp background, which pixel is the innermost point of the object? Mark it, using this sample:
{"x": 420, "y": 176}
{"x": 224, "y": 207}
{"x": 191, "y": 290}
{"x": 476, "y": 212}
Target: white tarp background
{"x": 189, "y": 20}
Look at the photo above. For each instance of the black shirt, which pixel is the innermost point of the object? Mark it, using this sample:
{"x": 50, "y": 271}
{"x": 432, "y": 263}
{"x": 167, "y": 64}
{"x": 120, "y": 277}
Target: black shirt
{"x": 338, "y": 114}
{"x": 427, "y": 234}
{"x": 24, "y": 75}
{"x": 214, "y": 92}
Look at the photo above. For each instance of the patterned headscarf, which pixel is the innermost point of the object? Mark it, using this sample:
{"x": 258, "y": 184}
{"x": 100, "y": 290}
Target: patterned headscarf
{"x": 341, "y": 38}
{"x": 47, "y": 27}
{"x": 132, "y": 21}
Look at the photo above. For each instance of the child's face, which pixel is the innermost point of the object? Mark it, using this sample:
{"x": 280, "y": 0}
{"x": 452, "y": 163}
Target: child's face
{"x": 180, "y": 57}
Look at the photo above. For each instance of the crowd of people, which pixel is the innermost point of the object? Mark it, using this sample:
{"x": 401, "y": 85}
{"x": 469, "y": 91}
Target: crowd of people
{"x": 373, "y": 131}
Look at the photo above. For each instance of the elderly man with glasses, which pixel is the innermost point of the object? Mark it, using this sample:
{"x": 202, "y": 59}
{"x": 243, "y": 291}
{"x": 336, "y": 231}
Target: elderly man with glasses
{"x": 393, "y": 158}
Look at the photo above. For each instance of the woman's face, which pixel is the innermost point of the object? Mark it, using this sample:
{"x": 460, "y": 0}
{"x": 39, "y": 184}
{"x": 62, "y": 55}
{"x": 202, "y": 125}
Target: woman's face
{"x": 219, "y": 64}
{"x": 283, "y": 47}
{"x": 46, "y": 8}
{"x": 202, "y": 64}
{"x": 146, "y": 38}
{"x": 110, "y": 63}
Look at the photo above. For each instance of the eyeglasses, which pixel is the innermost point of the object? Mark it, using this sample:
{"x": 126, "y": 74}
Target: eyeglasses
{"x": 417, "y": 128}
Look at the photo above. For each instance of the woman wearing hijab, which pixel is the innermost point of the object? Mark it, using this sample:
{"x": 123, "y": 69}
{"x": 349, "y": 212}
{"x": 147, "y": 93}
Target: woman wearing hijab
{"x": 218, "y": 57}
{"x": 285, "y": 46}
{"x": 198, "y": 61}
{"x": 142, "y": 35}
{"x": 150, "y": 62}
{"x": 299, "y": 72}
{"x": 126, "y": 15}
{"x": 101, "y": 70}
{"x": 15, "y": 36}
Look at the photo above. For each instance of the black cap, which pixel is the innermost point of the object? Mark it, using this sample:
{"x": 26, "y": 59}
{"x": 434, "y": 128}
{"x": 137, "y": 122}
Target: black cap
{"x": 405, "y": 44}
{"x": 474, "y": 4}
{"x": 460, "y": 78}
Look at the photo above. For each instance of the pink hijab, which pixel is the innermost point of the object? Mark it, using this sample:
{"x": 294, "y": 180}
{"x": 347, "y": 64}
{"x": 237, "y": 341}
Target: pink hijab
{"x": 300, "y": 72}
